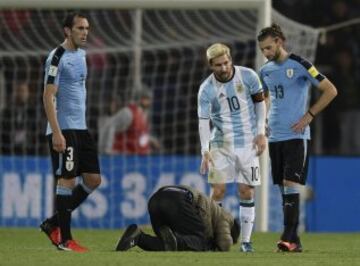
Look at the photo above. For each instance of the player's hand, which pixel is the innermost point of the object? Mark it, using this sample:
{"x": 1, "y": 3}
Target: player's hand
{"x": 205, "y": 163}
{"x": 260, "y": 144}
{"x": 300, "y": 126}
{"x": 58, "y": 142}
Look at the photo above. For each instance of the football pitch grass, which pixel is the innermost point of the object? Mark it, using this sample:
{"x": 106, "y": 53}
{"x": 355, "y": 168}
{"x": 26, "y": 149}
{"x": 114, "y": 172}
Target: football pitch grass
{"x": 27, "y": 246}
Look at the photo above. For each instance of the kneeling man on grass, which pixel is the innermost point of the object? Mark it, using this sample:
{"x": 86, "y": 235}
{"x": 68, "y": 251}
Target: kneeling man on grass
{"x": 183, "y": 219}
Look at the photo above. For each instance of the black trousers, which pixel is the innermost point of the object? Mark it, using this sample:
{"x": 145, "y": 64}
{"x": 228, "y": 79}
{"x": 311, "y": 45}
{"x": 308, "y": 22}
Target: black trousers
{"x": 173, "y": 207}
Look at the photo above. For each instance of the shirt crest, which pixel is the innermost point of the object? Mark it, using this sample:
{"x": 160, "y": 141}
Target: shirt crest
{"x": 290, "y": 72}
{"x": 239, "y": 87}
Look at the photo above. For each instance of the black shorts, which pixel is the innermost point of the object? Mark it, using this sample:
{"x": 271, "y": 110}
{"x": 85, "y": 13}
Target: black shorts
{"x": 80, "y": 155}
{"x": 289, "y": 160}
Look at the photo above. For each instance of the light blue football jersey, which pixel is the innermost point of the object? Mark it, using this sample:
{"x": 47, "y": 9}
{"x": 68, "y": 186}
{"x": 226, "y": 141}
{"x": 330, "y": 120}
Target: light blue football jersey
{"x": 70, "y": 77}
{"x": 288, "y": 83}
{"x": 230, "y": 108}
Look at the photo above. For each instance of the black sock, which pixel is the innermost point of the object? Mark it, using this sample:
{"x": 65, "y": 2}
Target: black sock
{"x": 63, "y": 204}
{"x": 53, "y": 220}
{"x": 78, "y": 196}
{"x": 294, "y": 236}
{"x": 150, "y": 243}
{"x": 291, "y": 217}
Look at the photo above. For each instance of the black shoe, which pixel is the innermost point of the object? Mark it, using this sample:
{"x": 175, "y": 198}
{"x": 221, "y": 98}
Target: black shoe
{"x": 168, "y": 238}
{"x": 51, "y": 231}
{"x": 129, "y": 239}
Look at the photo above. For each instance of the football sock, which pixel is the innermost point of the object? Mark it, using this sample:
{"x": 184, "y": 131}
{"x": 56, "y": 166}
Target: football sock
{"x": 63, "y": 208}
{"x": 78, "y": 196}
{"x": 53, "y": 220}
{"x": 282, "y": 195}
{"x": 291, "y": 214}
{"x": 247, "y": 218}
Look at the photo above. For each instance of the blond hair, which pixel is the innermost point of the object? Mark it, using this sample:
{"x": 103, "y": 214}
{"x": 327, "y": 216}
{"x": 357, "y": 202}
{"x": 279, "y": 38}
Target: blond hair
{"x": 216, "y": 50}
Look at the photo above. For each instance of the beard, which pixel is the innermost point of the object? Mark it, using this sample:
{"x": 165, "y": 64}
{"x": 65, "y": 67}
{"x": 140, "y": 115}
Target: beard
{"x": 223, "y": 76}
{"x": 276, "y": 56}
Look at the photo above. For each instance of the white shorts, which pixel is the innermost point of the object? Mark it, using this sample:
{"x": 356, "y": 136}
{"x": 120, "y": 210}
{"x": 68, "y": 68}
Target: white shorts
{"x": 239, "y": 165}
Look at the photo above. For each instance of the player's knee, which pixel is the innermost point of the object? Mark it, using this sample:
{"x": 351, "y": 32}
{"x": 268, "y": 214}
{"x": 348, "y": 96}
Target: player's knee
{"x": 246, "y": 196}
{"x": 92, "y": 180}
{"x": 246, "y": 192}
{"x": 288, "y": 183}
{"x": 218, "y": 192}
{"x": 66, "y": 182}
{"x": 97, "y": 181}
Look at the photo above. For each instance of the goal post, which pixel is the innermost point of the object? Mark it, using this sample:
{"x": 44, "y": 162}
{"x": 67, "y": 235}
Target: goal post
{"x": 136, "y": 4}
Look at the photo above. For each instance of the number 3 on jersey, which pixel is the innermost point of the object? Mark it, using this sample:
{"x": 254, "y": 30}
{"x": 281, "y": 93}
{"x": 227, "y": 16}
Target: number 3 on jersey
{"x": 69, "y": 164}
{"x": 234, "y": 104}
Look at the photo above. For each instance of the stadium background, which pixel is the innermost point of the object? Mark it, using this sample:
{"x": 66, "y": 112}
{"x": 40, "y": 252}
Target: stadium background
{"x": 173, "y": 74}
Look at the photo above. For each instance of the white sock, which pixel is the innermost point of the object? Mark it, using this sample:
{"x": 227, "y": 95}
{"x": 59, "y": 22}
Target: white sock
{"x": 247, "y": 218}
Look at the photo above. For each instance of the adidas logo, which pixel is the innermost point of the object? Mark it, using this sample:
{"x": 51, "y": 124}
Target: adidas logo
{"x": 222, "y": 95}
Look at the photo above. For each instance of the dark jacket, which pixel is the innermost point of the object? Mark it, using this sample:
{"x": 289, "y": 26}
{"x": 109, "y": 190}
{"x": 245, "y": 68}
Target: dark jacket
{"x": 218, "y": 222}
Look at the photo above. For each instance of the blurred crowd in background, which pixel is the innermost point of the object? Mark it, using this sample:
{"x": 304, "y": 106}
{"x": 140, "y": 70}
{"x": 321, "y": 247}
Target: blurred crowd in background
{"x": 172, "y": 116}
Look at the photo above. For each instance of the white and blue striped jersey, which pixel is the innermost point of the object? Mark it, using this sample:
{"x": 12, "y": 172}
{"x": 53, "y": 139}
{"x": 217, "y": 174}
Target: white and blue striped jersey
{"x": 230, "y": 108}
{"x": 70, "y": 77}
{"x": 288, "y": 83}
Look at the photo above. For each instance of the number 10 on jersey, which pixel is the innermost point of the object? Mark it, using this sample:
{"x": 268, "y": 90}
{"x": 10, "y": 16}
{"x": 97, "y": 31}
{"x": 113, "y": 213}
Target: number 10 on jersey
{"x": 234, "y": 104}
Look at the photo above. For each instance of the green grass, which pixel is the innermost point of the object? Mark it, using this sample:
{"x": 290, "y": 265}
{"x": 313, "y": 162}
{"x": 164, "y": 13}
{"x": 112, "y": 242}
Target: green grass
{"x": 30, "y": 247}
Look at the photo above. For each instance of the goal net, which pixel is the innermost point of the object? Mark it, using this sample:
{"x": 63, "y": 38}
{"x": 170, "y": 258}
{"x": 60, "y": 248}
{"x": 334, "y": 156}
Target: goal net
{"x": 161, "y": 49}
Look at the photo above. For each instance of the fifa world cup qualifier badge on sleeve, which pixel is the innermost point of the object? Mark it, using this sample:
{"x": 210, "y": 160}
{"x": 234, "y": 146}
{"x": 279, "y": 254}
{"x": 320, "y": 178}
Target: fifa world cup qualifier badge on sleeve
{"x": 53, "y": 71}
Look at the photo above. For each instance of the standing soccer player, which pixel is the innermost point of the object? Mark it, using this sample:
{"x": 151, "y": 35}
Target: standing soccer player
{"x": 73, "y": 151}
{"x": 288, "y": 77}
{"x": 232, "y": 99}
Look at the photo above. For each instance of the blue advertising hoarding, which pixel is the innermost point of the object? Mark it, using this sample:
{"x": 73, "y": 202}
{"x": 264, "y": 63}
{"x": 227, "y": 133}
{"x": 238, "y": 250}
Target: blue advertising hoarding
{"x": 334, "y": 205}
{"x": 27, "y": 185}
